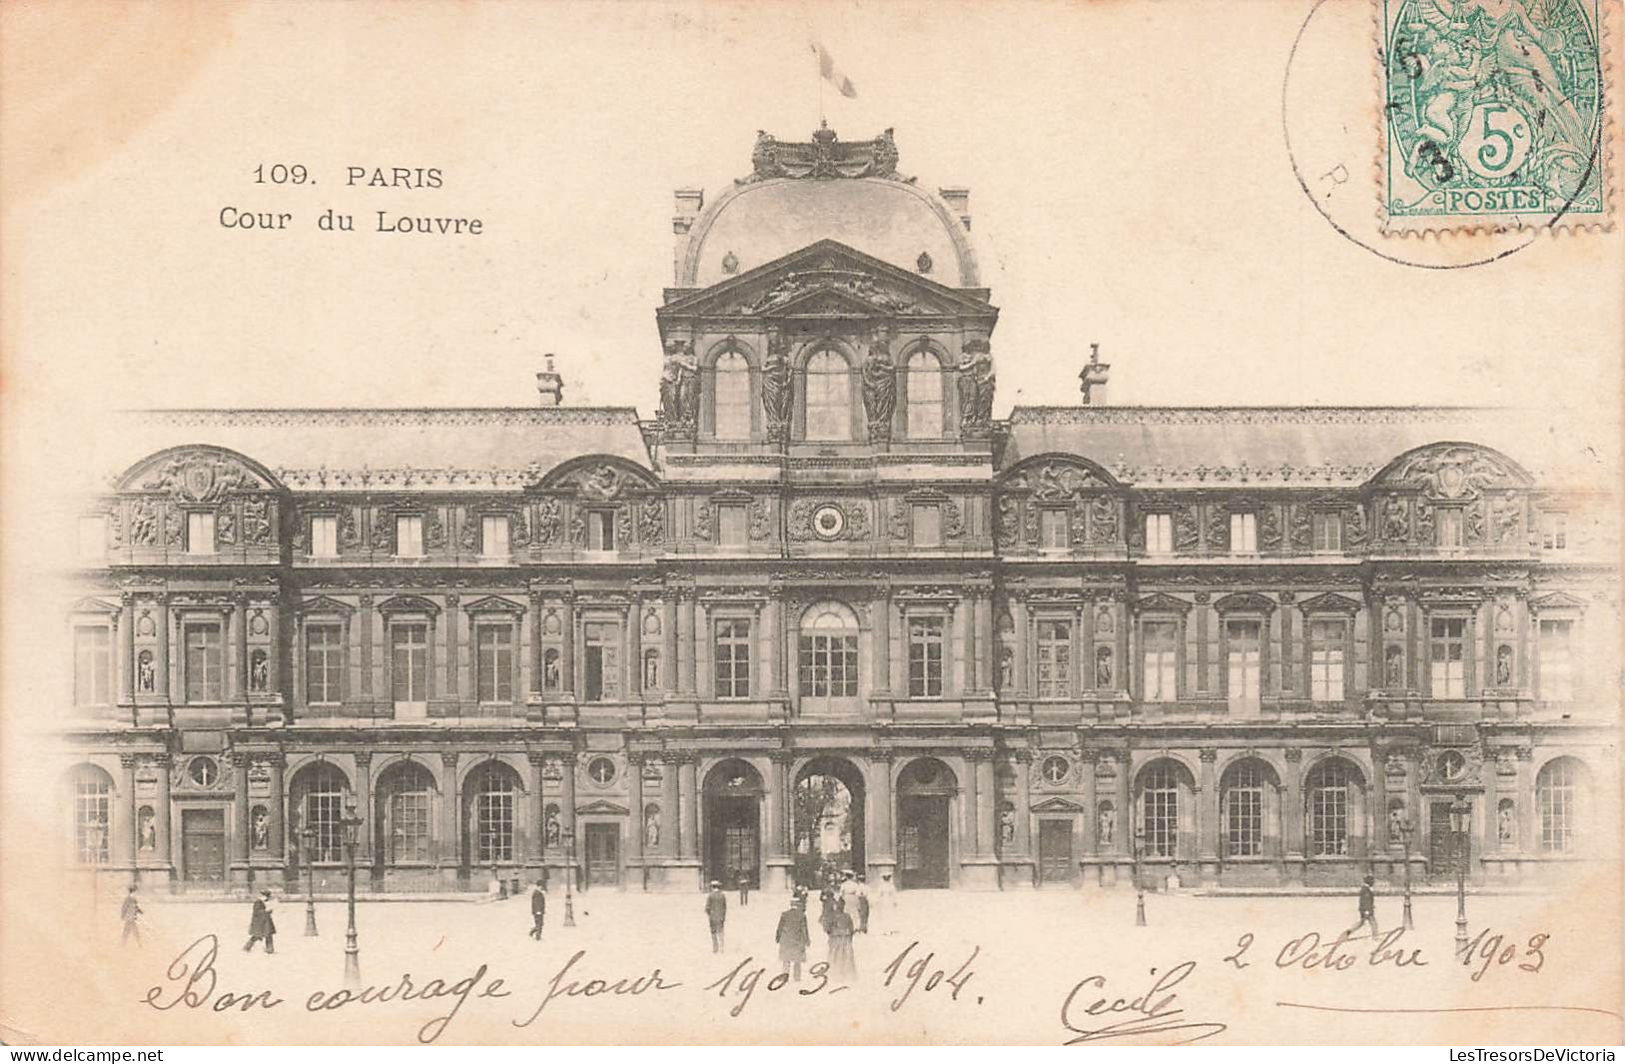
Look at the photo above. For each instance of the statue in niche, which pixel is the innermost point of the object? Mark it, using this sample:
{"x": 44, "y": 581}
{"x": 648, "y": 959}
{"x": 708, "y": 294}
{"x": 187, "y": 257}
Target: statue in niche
{"x": 1007, "y": 668}
{"x": 651, "y": 828}
{"x": 261, "y": 828}
{"x": 149, "y": 830}
{"x": 1395, "y": 667}
{"x": 550, "y": 670}
{"x": 976, "y": 382}
{"x": 1103, "y": 667}
{"x": 680, "y": 385}
{"x": 145, "y": 676}
{"x": 1503, "y": 666}
{"x": 1506, "y": 827}
{"x": 651, "y": 670}
{"x": 777, "y": 387}
{"x": 879, "y": 391}
{"x": 1007, "y": 826}
{"x": 259, "y": 672}
{"x": 554, "y": 830}
{"x": 1106, "y": 823}
{"x": 1396, "y": 823}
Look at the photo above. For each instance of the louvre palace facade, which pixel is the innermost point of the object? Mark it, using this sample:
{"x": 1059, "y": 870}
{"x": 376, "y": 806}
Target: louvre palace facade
{"x": 825, "y": 611}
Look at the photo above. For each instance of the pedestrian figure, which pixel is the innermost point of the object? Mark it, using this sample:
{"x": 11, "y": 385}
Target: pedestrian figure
{"x": 863, "y": 906}
{"x": 792, "y": 936}
{"x": 1368, "y": 908}
{"x": 842, "y": 965}
{"x": 262, "y": 925}
{"x": 826, "y": 909}
{"x": 716, "y": 914}
{"x": 130, "y": 913}
{"x": 744, "y": 888}
{"x": 538, "y": 910}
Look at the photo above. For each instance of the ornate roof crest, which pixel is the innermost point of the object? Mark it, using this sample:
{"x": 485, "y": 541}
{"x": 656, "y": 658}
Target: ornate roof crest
{"x": 825, "y": 156}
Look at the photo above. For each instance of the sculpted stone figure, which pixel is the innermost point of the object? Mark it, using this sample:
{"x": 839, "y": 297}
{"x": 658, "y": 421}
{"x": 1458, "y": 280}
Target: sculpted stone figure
{"x": 976, "y": 381}
{"x": 680, "y": 386}
{"x": 879, "y": 390}
{"x": 777, "y": 388}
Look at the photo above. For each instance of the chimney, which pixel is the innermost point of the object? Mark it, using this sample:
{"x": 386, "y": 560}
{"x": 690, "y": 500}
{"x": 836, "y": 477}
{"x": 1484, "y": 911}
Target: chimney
{"x": 550, "y": 385}
{"x": 958, "y": 201}
{"x": 1093, "y": 378}
{"x": 686, "y": 211}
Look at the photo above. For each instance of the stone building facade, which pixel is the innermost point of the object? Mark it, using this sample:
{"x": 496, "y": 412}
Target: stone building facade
{"x": 824, "y": 611}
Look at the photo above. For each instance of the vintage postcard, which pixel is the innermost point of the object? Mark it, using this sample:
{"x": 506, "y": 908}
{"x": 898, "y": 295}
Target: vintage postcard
{"x": 698, "y": 523}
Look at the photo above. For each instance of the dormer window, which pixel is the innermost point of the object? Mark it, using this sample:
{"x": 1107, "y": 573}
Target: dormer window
{"x": 731, "y": 396}
{"x": 1159, "y": 533}
{"x": 494, "y": 537}
{"x": 731, "y": 524}
{"x": 1449, "y": 528}
{"x": 1554, "y": 530}
{"x": 927, "y": 525}
{"x": 1327, "y": 533}
{"x": 1053, "y": 529}
{"x": 200, "y": 532}
{"x": 601, "y": 530}
{"x": 829, "y": 397}
{"x": 409, "y": 536}
{"x": 324, "y": 536}
{"x": 1244, "y": 533}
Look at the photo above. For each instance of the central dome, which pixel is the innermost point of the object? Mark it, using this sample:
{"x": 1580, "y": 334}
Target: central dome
{"x": 802, "y": 193}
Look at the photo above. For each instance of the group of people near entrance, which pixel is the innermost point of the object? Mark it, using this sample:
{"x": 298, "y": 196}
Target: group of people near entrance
{"x": 844, "y": 910}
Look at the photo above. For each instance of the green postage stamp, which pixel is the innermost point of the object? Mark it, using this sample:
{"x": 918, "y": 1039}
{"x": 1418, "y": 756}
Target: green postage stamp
{"x": 1495, "y": 115}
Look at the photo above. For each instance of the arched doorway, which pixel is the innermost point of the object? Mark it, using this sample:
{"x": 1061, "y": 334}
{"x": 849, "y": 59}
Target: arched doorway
{"x": 493, "y": 818}
{"x": 733, "y": 823}
{"x": 828, "y": 821}
{"x": 924, "y": 812}
{"x": 404, "y": 806}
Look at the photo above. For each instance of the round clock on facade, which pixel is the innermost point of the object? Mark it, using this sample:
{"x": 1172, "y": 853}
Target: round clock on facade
{"x": 1452, "y": 765}
{"x": 601, "y": 771}
{"x": 1056, "y": 769}
{"x": 828, "y": 521}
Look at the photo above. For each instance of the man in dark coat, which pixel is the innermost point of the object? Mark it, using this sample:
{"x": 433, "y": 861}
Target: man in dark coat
{"x": 538, "y": 910}
{"x": 130, "y": 913}
{"x": 1368, "y": 908}
{"x": 792, "y": 936}
{"x": 261, "y": 925}
{"x": 716, "y": 914}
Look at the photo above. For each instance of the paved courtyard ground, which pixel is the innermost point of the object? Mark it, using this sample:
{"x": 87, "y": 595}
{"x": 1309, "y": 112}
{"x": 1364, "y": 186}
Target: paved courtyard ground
{"x": 938, "y": 966}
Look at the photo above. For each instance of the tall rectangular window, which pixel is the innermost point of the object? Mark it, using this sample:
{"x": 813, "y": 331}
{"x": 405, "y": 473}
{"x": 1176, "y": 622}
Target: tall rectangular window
{"x": 927, "y": 525}
{"x": 1243, "y": 664}
{"x": 1449, "y": 650}
{"x": 324, "y": 536}
{"x": 1326, "y": 642}
{"x": 324, "y": 663}
{"x": 1159, "y": 533}
{"x": 925, "y": 657}
{"x": 409, "y": 536}
{"x": 732, "y": 655}
{"x": 92, "y": 665}
{"x": 1161, "y": 668}
{"x": 1244, "y": 533}
{"x": 409, "y": 663}
{"x": 93, "y": 537}
{"x": 1053, "y": 531}
{"x": 1449, "y": 526}
{"x": 828, "y": 664}
{"x": 1556, "y": 661}
{"x": 1327, "y": 533}
{"x": 200, "y": 532}
{"x": 602, "y": 657}
{"x": 1054, "y": 659}
{"x": 1554, "y": 531}
{"x": 495, "y": 644}
{"x": 1243, "y": 798}
{"x": 204, "y": 679}
{"x": 409, "y": 814}
{"x": 731, "y": 525}
{"x": 601, "y": 530}
{"x": 494, "y": 536}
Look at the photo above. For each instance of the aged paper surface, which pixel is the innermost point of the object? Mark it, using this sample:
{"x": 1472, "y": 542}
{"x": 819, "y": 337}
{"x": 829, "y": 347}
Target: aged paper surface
{"x": 1069, "y": 714}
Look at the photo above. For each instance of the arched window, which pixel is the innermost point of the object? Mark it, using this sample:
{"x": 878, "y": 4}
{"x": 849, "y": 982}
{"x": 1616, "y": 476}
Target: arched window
{"x": 492, "y": 794}
{"x": 92, "y": 815}
{"x": 829, "y": 397}
{"x": 406, "y": 791}
{"x": 924, "y": 395}
{"x": 732, "y": 396}
{"x": 1244, "y": 810}
{"x": 828, "y": 666}
{"x": 1330, "y": 791}
{"x": 1159, "y": 809}
{"x": 319, "y": 792}
{"x": 1559, "y": 791}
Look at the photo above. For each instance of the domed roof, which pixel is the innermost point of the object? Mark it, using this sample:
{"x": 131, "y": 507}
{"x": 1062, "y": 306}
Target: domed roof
{"x": 801, "y": 193}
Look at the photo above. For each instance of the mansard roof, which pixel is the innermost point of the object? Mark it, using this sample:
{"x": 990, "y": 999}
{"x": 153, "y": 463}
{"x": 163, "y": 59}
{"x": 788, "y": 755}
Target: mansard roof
{"x": 424, "y": 449}
{"x": 1265, "y": 447}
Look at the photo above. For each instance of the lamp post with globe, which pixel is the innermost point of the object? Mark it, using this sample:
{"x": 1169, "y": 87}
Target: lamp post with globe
{"x": 352, "y": 950}
{"x": 1460, "y": 817}
{"x": 307, "y": 839}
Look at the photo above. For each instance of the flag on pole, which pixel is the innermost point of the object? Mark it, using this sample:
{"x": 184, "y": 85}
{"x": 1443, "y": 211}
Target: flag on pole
{"x": 827, "y": 71}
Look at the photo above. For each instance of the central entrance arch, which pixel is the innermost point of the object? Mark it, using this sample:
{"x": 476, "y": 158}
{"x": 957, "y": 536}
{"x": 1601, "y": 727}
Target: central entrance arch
{"x": 828, "y": 821}
{"x": 925, "y": 792}
{"x": 733, "y": 823}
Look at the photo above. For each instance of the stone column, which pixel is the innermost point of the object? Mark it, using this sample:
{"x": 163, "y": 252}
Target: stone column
{"x": 959, "y": 671}
{"x": 161, "y": 666}
{"x": 538, "y": 685}
{"x": 984, "y": 655}
{"x": 685, "y": 645}
{"x": 987, "y": 800}
{"x": 668, "y": 644}
{"x": 567, "y": 652}
{"x": 1088, "y": 767}
{"x": 567, "y": 816}
{"x": 776, "y": 653}
{"x": 1022, "y": 766}
{"x": 882, "y": 851}
{"x": 363, "y": 806}
{"x": 535, "y": 776}
{"x": 970, "y": 845}
{"x": 127, "y": 651}
{"x": 125, "y": 834}
{"x": 668, "y": 807}
{"x": 689, "y": 799}
{"x": 1018, "y": 618}
{"x": 1528, "y": 842}
{"x": 1207, "y": 812}
{"x": 882, "y": 642}
{"x": 779, "y": 861}
{"x": 634, "y": 798}
{"x": 239, "y": 626}
{"x": 1292, "y": 814}
{"x": 450, "y": 842}
{"x": 161, "y": 811}
{"x": 1123, "y": 839}
{"x": 277, "y": 763}
{"x": 239, "y": 842}
{"x": 634, "y": 651}
{"x": 1380, "y": 842}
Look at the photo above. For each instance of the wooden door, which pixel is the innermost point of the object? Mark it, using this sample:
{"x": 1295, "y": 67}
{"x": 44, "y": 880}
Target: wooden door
{"x": 203, "y": 845}
{"x": 1442, "y": 855}
{"x": 922, "y": 842}
{"x": 1055, "y": 851}
{"x": 603, "y": 855}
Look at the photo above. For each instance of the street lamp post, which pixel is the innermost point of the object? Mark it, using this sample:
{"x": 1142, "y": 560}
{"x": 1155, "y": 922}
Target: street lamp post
{"x": 1405, "y": 834}
{"x": 569, "y": 878}
{"x": 1139, "y": 884}
{"x": 307, "y": 839}
{"x": 352, "y": 951}
{"x": 1460, "y": 811}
